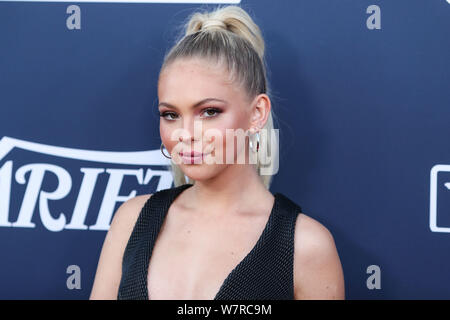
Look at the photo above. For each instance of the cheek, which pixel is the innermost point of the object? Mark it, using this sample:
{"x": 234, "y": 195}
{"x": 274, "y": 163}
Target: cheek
{"x": 165, "y": 132}
{"x": 234, "y": 122}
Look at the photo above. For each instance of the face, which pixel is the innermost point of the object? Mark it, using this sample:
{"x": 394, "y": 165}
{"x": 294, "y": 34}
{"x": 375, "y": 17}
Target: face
{"x": 197, "y": 104}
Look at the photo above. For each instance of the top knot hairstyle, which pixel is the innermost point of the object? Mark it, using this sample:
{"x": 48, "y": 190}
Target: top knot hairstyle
{"x": 227, "y": 36}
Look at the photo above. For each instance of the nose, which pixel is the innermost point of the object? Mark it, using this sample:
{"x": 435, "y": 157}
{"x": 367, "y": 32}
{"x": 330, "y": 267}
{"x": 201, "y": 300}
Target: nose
{"x": 191, "y": 131}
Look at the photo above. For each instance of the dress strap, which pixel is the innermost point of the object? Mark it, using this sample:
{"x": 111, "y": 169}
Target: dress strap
{"x": 136, "y": 257}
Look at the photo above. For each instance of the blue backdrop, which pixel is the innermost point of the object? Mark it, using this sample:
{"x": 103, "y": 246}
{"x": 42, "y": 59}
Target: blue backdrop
{"x": 361, "y": 89}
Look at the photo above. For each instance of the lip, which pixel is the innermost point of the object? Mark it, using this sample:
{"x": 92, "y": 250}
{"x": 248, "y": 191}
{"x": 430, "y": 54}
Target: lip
{"x": 192, "y": 157}
{"x": 192, "y": 154}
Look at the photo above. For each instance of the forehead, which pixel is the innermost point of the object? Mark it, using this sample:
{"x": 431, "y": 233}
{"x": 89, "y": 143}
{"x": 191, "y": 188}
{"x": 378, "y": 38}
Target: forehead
{"x": 195, "y": 78}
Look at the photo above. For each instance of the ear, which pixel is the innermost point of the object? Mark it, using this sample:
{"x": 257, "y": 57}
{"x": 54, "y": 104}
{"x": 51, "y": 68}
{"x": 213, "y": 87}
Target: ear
{"x": 260, "y": 111}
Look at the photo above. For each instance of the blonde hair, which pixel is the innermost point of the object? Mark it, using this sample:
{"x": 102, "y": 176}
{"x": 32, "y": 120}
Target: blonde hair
{"x": 227, "y": 34}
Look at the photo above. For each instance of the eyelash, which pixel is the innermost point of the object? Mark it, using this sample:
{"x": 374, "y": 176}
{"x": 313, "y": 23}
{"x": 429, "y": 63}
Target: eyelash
{"x": 165, "y": 113}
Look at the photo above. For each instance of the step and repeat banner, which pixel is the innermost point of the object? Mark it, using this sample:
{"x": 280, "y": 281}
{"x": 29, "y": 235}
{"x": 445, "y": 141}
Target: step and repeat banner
{"x": 361, "y": 90}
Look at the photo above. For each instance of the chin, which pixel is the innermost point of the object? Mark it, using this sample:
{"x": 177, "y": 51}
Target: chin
{"x": 199, "y": 172}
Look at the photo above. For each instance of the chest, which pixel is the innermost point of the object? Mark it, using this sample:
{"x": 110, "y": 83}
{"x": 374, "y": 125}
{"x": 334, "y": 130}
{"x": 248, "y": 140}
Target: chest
{"x": 192, "y": 257}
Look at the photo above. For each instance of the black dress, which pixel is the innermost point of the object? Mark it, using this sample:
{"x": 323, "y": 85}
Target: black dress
{"x": 266, "y": 273}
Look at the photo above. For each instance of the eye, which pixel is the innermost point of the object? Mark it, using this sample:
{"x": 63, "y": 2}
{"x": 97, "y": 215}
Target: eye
{"x": 210, "y": 113}
{"x": 214, "y": 112}
{"x": 165, "y": 114}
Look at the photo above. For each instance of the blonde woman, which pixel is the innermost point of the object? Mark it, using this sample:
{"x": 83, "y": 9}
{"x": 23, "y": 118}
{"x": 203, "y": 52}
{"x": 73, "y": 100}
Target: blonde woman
{"x": 221, "y": 234}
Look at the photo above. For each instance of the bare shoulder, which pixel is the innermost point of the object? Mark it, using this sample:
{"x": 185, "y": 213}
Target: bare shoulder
{"x": 125, "y": 218}
{"x": 318, "y": 271}
{"x": 310, "y": 233}
{"x": 128, "y": 213}
{"x": 109, "y": 268}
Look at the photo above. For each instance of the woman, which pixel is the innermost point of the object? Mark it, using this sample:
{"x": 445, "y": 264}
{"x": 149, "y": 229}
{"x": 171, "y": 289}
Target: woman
{"x": 222, "y": 235}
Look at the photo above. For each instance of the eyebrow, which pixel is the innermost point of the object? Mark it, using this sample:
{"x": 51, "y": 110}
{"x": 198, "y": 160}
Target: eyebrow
{"x": 194, "y": 106}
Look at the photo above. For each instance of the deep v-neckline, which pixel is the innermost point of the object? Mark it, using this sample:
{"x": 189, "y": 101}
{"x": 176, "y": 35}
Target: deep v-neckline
{"x": 151, "y": 244}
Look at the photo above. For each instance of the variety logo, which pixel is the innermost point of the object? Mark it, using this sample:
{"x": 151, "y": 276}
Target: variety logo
{"x": 439, "y": 196}
{"x": 87, "y": 167}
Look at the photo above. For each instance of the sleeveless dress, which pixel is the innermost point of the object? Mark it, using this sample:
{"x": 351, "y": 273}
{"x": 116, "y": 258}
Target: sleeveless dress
{"x": 265, "y": 273}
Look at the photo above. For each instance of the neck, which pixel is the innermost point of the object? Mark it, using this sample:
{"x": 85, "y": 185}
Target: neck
{"x": 236, "y": 189}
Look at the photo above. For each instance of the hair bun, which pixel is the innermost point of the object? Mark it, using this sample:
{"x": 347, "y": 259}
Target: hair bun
{"x": 230, "y": 18}
{"x": 212, "y": 23}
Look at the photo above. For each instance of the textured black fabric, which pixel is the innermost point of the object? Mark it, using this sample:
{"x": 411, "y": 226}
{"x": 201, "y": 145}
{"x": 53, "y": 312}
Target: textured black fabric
{"x": 266, "y": 273}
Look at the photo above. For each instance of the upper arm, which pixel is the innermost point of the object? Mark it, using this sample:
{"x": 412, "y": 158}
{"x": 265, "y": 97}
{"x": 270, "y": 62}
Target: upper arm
{"x": 109, "y": 268}
{"x": 318, "y": 271}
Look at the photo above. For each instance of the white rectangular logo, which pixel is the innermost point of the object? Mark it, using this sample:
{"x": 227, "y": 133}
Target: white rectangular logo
{"x": 439, "y": 196}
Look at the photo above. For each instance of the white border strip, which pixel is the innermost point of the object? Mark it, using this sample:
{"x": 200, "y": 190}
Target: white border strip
{"x": 132, "y": 1}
